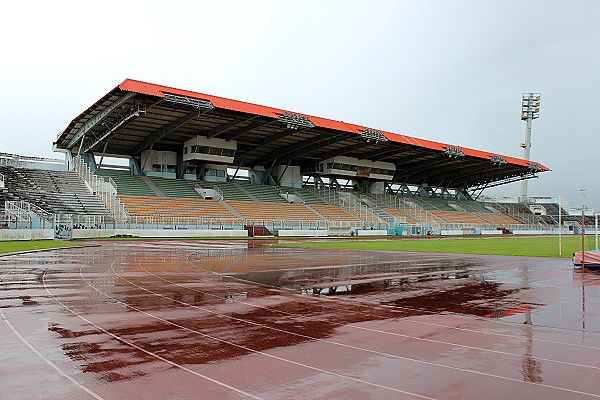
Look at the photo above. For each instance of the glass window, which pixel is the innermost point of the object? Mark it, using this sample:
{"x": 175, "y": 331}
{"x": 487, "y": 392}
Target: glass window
{"x": 156, "y": 168}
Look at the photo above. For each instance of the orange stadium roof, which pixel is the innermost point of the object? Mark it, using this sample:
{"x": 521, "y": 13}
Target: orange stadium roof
{"x": 136, "y": 116}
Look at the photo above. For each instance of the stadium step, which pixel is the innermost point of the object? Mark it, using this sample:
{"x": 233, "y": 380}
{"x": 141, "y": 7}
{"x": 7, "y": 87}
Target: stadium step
{"x": 153, "y": 186}
{"x": 257, "y": 230}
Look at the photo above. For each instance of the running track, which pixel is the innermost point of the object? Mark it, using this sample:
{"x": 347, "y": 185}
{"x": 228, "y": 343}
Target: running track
{"x": 159, "y": 320}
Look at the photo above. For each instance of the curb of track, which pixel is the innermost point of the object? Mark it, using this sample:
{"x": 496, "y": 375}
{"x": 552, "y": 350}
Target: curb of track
{"x": 48, "y": 249}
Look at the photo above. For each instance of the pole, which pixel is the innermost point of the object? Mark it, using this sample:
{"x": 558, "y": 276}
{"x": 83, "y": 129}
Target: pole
{"x": 559, "y": 227}
{"x": 596, "y": 223}
{"x": 583, "y": 238}
{"x": 526, "y": 156}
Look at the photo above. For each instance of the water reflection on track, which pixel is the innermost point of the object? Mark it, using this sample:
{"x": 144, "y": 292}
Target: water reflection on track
{"x": 233, "y": 319}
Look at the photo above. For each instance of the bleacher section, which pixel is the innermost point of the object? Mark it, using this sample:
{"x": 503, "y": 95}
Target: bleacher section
{"x": 458, "y": 217}
{"x": 263, "y": 193}
{"x": 499, "y": 219}
{"x": 306, "y": 195}
{"x": 64, "y": 192}
{"x": 229, "y": 190}
{"x": 178, "y": 188}
{"x": 400, "y": 214}
{"x": 169, "y": 207}
{"x": 334, "y": 213}
{"x": 61, "y": 192}
{"x": 276, "y": 211}
{"x": 130, "y": 185}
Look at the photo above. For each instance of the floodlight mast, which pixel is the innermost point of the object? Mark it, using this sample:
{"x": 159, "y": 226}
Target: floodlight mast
{"x": 530, "y": 110}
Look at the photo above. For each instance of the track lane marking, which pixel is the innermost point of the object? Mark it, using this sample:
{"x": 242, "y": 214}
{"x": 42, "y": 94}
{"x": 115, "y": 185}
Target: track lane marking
{"x": 396, "y": 308}
{"x": 352, "y": 347}
{"x": 380, "y": 331}
{"x": 358, "y": 380}
{"x": 128, "y": 343}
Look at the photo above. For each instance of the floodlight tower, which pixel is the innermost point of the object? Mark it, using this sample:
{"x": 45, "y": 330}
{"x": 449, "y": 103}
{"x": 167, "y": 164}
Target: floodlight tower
{"x": 530, "y": 110}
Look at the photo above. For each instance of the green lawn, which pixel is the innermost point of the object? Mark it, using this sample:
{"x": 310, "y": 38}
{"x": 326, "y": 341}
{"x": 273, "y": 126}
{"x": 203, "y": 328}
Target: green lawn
{"x": 512, "y": 246}
{"x": 22, "y": 245}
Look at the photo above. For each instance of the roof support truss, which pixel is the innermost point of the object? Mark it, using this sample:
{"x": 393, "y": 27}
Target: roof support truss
{"x": 96, "y": 119}
{"x": 222, "y": 128}
{"x": 167, "y": 129}
{"x": 256, "y": 124}
{"x": 293, "y": 150}
{"x": 116, "y": 126}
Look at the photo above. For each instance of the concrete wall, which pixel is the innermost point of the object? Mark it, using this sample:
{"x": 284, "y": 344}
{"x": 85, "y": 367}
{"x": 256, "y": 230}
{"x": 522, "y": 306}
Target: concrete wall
{"x": 535, "y": 232}
{"x": 104, "y": 233}
{"x": 303, "y": 232}
{"x": 367, "y": 232}
{"x": 451, "y": 232}
{"x": 26, "y": 234}
{"x": 491, "y": 232}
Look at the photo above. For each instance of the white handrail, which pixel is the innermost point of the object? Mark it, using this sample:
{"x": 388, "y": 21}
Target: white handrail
{"x": 103, "y": 187}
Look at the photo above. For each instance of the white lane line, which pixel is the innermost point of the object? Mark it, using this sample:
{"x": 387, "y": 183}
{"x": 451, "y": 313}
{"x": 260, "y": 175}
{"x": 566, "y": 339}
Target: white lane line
{"x": 241, "y": 346}
{"x": 128, "y": 343}
{"x": 434, "y": 313}
{"x": 94, "y": 395}
{"x": 350, "y": 326}
{"x": 319, "y": 300}
{"x": 356, "y": 348}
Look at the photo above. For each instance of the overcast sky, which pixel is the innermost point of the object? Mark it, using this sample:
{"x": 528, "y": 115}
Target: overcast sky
{"x": 449, "y": 71}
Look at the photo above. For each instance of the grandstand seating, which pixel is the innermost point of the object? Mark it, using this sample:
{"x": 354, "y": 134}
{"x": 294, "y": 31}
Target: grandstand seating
{"x": 64, "y": 192}
{"x": 60, "y": 192}
{"x": 306, "y": 195}
{"x": 229, "y": 190}
{"x": 130, "y": 184}
{"x": 145, "y": 206}
{"x": 275, "y": 211}
{"x": 499, "y": 218}
{"x": 333, "y": 212}
{"x": 459, "y": 217}
{"x": 263, "y": 193}
{"x": 398, "y": 213}
{"x": 178, "y": 188}
{"x": 470, "y": 205}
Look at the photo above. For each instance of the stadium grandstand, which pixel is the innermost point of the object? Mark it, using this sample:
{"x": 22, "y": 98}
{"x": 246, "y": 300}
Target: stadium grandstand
{"x": 150, "y": 160}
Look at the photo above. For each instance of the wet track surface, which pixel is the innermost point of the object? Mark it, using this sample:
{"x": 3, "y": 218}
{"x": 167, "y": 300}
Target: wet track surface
{"x": 238, "y": 319}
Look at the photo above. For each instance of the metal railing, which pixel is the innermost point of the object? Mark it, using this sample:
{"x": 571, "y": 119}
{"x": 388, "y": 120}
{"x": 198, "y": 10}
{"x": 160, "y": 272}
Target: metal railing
{"x": 29, "y": 208}
{"x": 102, "y": 187}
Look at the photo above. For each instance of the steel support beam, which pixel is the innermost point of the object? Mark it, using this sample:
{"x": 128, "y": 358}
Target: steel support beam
{"x": 240, "y": 132}
{"x": 383, "y": 153}
{"x": 430, "y": 165}
{"x": 293, "y": 150}
{"x": 167, "y": 129}
{"x": 491, "y": 171}
{"x": 118, "y": 125}
{"x": 222, "y": 128}
{"x": 273, "y": 138}
{"x": 342, "y": 151}
{"x": 95, "y": 120}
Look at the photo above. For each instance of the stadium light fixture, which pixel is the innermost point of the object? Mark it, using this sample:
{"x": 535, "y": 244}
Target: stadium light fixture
{"x": 373, "y": 135}
{"x": 530, "y": 110}
{"x": 453, "y": 151}
{"x": 188, "y": 101}
{"x": 498, "y": 160}
{"x": 295, "y": 121}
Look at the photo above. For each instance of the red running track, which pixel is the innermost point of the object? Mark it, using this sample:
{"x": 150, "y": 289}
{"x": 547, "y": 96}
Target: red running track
{"x": 183, "y": 320}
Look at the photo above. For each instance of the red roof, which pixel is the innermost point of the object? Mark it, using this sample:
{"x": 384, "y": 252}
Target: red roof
{"x": 235, "y": 105}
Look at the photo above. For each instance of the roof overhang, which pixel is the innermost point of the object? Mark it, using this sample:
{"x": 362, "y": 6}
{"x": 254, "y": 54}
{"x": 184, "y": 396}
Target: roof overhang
{"x": 136, "y": 116}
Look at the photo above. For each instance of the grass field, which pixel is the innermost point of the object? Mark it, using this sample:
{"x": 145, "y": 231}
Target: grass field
{"x": 22, "y": 245}
{"x": 510, "y": 246}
